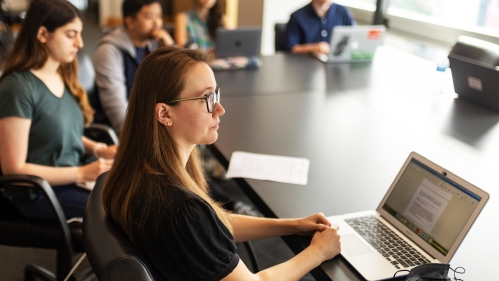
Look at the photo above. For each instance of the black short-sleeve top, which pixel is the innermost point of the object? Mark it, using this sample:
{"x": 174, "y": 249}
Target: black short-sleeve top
{"x": 187, "y": 241}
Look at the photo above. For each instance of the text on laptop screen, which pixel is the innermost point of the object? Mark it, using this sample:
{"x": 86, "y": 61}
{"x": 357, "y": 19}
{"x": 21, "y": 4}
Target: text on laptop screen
{"x": 431, "y": 205}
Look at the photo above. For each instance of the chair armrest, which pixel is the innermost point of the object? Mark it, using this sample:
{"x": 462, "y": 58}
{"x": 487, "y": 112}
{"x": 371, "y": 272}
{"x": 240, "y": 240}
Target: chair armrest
{"x": 101, "y": 133}
{"x": 48, "y": 192}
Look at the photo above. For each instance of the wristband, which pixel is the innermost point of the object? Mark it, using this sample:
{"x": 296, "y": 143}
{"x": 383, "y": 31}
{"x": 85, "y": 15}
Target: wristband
{"x": 97, "y": 146}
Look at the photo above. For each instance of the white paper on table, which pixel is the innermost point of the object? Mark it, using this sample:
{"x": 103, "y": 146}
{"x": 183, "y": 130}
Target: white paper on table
{"x": 268, "y": 167}
{"x": 88, "y": 185}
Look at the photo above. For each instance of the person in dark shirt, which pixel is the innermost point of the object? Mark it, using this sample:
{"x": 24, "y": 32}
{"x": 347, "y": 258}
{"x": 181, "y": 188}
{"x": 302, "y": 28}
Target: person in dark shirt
{"x": 43, "y": 109}
{"x": 156, "y": 190}
{"x": 309, "y": 28}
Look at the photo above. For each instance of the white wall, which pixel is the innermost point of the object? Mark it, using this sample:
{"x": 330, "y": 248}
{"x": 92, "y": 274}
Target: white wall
{"x": 250, "y": 13}
{"x": 109, "y": 9}
{"x": 276, "y": 11}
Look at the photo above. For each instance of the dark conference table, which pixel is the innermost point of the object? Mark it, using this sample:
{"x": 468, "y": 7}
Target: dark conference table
{"x": 357, "y": 123}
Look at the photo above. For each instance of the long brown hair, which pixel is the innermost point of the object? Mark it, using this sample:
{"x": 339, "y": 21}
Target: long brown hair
{"x": 29, "y": 53}
{"x": 215, "y": 19}
{"x": 148, "y": 158}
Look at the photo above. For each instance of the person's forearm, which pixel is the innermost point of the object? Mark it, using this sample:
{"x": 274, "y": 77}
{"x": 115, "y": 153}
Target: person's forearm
{"x": 302, "y": 48}
{"x": 293, "y": 269}
{"x": 180, "y": 32}
{"x": 88, "y": 144}
{"x": 250, "y": 228}
{"x": 97, "y": 149}
{"x": 53, "y": 175}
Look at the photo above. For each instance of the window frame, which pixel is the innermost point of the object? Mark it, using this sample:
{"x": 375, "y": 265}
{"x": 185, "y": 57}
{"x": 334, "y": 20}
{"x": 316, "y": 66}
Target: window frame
{"x": 421, "y": 26}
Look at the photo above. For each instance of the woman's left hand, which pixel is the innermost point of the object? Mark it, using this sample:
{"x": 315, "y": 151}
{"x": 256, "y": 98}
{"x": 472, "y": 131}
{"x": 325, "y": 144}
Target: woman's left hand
{"x": 311, "y": 224}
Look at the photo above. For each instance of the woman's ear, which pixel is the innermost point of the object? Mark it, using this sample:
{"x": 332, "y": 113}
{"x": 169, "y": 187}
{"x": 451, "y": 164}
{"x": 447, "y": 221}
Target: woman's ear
{"x": 42, "y": 34}
{"x": 163, "y": 114}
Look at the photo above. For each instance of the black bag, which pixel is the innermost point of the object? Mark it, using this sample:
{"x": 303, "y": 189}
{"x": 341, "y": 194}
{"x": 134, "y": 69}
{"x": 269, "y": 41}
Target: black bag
{"x": 429, "y": 272}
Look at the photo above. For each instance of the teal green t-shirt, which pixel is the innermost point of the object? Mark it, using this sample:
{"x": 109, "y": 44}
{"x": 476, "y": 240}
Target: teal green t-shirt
{"x": 197, "y": 31}
{"x": 56, "y": 123}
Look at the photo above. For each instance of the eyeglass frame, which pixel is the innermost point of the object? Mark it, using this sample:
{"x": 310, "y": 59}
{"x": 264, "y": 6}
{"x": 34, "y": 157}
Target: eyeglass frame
{"x": 216, "y": 99}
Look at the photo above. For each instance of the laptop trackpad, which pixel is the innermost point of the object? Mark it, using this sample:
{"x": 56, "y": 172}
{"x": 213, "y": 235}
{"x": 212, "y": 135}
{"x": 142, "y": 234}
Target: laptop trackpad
{"x": 351, "y": 246}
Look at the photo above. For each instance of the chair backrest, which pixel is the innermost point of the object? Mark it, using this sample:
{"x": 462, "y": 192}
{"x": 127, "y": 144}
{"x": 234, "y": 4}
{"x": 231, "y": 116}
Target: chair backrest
{"x": 101, "y": 133}
{"x": 110, "y": 252}
{"x": 280, "y": 33}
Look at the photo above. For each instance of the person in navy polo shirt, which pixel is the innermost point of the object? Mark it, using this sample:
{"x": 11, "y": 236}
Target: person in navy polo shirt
{"x": 309, "y": 28}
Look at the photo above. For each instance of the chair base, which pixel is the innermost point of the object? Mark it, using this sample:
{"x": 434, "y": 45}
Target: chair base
{"x": 33, "y": 272}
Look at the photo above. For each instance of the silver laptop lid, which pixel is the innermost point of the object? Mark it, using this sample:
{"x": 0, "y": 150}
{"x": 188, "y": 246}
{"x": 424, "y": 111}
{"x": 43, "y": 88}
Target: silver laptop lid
{"x": 355, "y": 43}
{"x": 238, "y": 42}
{"x": 432, "y": 206}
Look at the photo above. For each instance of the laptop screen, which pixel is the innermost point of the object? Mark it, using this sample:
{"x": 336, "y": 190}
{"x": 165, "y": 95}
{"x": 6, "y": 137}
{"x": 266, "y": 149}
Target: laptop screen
{"x": 432, "y": 206}
{"x": 243, "y": 41}
{"x": 355, "y": 43}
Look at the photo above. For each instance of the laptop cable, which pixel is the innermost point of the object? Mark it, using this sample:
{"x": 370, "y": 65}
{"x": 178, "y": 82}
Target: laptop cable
{"x": 431, "y": 272}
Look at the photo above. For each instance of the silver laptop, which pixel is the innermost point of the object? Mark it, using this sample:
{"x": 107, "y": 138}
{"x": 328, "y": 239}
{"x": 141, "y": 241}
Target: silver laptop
{"x": 423, "y": 218}
{"x": 353, "y": 43}
{"x": 243, "y": 42}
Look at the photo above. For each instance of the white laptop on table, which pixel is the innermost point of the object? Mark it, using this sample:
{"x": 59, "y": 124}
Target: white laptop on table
{"x": 353, "y": 43}
{"x": 427, "y": 208}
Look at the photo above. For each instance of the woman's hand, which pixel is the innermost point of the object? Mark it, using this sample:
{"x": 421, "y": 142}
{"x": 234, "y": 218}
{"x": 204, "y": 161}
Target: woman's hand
{"x": 318, "y": 48}
{"x": 91, "y": 171}
{"x": 311, "y": 224}
{"x": 107, "y": 152}
{"x": 327, "y": 243}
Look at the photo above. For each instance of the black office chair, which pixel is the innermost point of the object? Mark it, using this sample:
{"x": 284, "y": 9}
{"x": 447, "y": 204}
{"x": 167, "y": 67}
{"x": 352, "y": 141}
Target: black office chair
{"x": 101, "y": 133}
{"x": 67, "y": 239}
{"x": 280, "y": 35}
{"x": 110, "y": 252}
{"x": 18, "y": 231}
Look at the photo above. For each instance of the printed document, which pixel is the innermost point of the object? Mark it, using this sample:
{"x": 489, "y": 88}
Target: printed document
{"x": 268, "y": 167}
{"x": 427, "y": 205}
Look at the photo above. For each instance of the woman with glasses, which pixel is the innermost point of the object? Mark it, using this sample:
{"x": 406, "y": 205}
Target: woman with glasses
{"x": 157, "y": 193}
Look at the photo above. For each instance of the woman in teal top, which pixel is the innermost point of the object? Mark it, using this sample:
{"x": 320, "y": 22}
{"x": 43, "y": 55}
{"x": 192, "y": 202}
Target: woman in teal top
{"x": 43, "y": 110}
{"x": 197, "y": 28}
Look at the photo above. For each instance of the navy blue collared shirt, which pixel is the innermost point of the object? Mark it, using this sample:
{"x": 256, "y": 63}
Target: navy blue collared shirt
{"x": 305, "y": 26}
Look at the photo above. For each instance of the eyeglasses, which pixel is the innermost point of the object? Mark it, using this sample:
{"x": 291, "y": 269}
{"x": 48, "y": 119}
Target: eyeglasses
{"x": 211, "y": 100}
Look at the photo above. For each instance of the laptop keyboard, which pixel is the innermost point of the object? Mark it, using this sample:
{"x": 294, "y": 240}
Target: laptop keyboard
{"x": 386, "y": 242}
